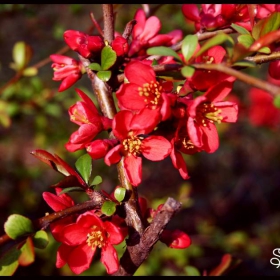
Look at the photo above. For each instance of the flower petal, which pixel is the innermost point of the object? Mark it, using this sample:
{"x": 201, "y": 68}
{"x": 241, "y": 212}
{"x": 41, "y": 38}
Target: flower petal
{"x": 109, "y": 258}
{"x": 156, "y": 148}
{"x": 133, "y": 169}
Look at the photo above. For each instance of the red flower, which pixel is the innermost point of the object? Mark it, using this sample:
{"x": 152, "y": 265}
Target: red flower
{"x": 145, "y": 34}
{"x": 86, "y": 45}
{"x": 120, "y": 45}
{"x": 82, "y": 238}
{"x": 59, "y": 202}
{"x": 204, "y": 79}
{"x": 67, "y": 70}
{"x": 144, "y": 91}
{"x": 214, "y": 16}
{"x": 132, "y": 131}
{"x": 261, "y": 111}
{"x": 85, "y": 114}
{"x": 207, "y": 109}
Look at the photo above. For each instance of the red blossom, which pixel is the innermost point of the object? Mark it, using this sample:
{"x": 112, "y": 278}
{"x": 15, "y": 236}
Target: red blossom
{"x": 85, "y": 114}
{"x": 206, "y": 110}
{"x": 213, "y": 16}
{"x": 86, "y": 45}
{"x": 81, "y": 239}
{"x": 120, "y": 45}
{"x": 145, "y": 34}
{"x": 204, "y": 79}
{"x": 67, "y": 70}
{"x": 144, "y": 91}
{"x": 262, "y": 111}
{"x": 132, "y": 132}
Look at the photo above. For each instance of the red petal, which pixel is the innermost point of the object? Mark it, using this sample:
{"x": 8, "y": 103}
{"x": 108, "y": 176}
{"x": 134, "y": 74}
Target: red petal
{"x": 210, "y": 138}
{"x": 133, "y": 169}
{"x": 139, "y": 73}
{"x": 191, "y": 12}
{"x": 57, "y": 203}
{"x": 152, "y": 28}
{"x": 109, "y": 258}
{"x": 80, "y": 258}
{"x": 121, "y": 124}
{"x": 175, "y": 239}
{"x": 115, "y": 234}
{"x": 62, "y": 255}
{"x": 155, "y": 148}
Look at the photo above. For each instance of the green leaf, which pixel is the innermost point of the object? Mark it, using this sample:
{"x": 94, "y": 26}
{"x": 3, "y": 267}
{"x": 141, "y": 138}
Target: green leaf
{"x": 187, "y": 71}
{"x": 257, "y": 29}
{"x": 163, "y": 51}
{"x": 189, "y": 45}
{"x": 95, "y": 66}
{"x": 27, "y": 256}
{"x": 191, "y": 271}
{"x": 265, "y": 50}
{"x": 19, "y": 54}
{"x": 9, "y": 262}
{"x": 217, "y": 40}
{"x": 71, "y": 189}
{"x": 276, "y": 101}
{"x": 30, "y": 71}
{"x": 41, "y": 239}
{"x": 104, "y": 75}
{"x": 119, "y": 194}
{"x": 108, "y": 208}
{"x": 240, "y": 29}
{"x": 271, "y": 23}
{"x": 245, "y": 40}
{"x": 245, "y": 63}
{"x": 96, "y": 180}
{"x": 18, "y": 225}
{"x": 108, "y": 57}
{"x": 84, "y": 166}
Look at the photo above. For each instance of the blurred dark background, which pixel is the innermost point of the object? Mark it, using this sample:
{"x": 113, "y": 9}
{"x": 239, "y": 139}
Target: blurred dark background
{"x": 230, "y": 205}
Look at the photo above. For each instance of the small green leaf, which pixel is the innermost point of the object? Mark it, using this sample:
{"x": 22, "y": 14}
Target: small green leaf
{"x": 18, "y": 225}
{"x": 108, "y": 57}
{"x": 119, "y": 194}
{"x": 189, "y": 45}
{"x": 84, "y": 166}
{"x": 104, "y": 75}
{"x": 245, "y": 40}
{"x": 95, "y": 66}
{"x": 265, "y": 50}
{"x": 219, "y": 39}
{"x": 108, "y": 208}
{"x": 41, "y": 239}
{"x": 271, "y": 23}
{"x": 257, "y": 29}
{"x": 21, "y": 54}
{"x": 9, "y": 262}
{"x": 96, "y": 180}
{"x": 240, "y": 29}
{"x": 276, "y": 101}
{"x": 30, "y": 71}
{"x": 191, "y": 271}
{"x": 187, "y": 71}
{"x": 245, "y": 63}
{"x": 71, "y": 189}
{"x": 163, "y": 51}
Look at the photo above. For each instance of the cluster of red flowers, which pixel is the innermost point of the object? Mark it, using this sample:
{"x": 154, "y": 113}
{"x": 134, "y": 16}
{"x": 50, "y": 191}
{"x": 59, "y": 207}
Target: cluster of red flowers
{"x": 156, "y": 119}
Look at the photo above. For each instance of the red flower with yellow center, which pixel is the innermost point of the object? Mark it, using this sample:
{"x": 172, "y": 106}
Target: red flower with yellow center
{"x": 207, "y": 110}
{"x": 144, "y": 91}
{"x": 132, "y": 131}
{"x": 81, "y": 239}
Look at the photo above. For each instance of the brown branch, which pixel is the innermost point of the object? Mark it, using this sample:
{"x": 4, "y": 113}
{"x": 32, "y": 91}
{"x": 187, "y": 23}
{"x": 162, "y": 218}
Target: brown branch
{"x": 136, "y": 254}
{"x": 264, "y": 58}
{"x": 128, "y": 28}
{"x": 44, "y": 222}
{"x": 250, "y": 80}
{"x": 108, "y": 16}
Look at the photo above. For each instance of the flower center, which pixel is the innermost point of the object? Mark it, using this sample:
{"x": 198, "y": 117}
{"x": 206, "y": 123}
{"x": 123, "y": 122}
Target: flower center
{"x": 132, "y": 145}
{"x": 151, "y": 93}
{"x": 209, "y": 113}
{"x": 77, "y": 116}
{"x": 96, "y": 238}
